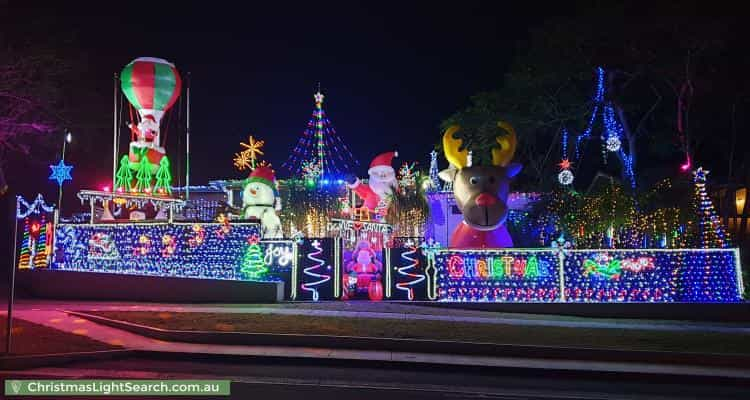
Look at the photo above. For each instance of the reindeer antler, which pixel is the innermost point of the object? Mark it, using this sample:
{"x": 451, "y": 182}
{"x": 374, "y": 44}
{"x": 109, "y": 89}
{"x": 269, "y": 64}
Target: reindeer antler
{"x": 503, "y": 155}
{"x": 450, "y": 148}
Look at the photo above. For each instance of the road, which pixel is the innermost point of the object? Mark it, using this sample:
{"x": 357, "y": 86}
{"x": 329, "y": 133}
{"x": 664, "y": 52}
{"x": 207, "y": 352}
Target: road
{"x": 295, "y": 379}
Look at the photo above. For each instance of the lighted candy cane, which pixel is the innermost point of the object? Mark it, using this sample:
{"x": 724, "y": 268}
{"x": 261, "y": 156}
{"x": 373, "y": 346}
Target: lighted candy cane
{"x": 308, "y": 271}
{"x": 407, "y": 255}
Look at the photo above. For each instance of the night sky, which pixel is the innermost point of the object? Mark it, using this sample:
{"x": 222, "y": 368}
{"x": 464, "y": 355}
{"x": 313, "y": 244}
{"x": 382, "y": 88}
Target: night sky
{"x": 390, "y": 75}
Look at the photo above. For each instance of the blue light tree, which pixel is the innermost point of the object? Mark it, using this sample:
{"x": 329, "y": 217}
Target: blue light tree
{"x": 321, "y": 145}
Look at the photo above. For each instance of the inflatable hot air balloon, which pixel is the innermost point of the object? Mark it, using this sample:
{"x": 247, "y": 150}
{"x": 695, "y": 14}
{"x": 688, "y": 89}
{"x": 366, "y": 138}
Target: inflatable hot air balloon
{"x": 152, "y": 85}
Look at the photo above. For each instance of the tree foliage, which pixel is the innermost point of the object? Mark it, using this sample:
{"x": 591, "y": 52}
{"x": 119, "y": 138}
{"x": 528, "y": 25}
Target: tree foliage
{"x": 551, "y": 81}
{"x": 32, "y": 84}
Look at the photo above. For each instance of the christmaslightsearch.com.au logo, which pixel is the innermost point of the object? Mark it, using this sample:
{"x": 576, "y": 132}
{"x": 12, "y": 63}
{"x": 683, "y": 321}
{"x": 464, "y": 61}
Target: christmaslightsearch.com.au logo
{"x": 80, "y": 387}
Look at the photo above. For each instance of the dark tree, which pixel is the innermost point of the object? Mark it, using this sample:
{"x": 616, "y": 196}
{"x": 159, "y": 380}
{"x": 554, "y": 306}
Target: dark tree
{"x": 653, "y": 64}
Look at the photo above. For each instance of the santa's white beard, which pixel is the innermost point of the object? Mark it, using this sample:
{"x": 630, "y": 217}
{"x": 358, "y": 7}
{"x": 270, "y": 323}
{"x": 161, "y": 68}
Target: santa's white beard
{"x": 382, "y": 188}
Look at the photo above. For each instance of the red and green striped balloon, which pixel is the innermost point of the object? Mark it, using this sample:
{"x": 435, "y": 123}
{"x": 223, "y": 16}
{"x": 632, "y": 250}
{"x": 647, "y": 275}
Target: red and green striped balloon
{"x": 152, "y": 85}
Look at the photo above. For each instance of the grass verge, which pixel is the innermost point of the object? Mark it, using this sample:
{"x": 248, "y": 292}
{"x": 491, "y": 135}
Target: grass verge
{"x": 30, "y": 338}
{"x": 621, "y": 339}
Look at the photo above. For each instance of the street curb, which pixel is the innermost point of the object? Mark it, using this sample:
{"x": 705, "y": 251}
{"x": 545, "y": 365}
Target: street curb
{"x": 45, "y": 360}
{"x": 423, "y": 345}
{"x": 422, "y": 365}
{"x": 694, "y": 312}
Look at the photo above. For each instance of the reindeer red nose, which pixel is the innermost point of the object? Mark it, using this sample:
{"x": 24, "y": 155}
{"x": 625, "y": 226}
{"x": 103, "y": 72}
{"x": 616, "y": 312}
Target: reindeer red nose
{"x": 485, "y": 200}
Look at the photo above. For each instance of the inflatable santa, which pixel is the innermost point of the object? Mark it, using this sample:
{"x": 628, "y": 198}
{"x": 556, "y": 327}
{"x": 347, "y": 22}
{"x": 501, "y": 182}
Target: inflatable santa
{"x": 381, "y": 184}
{"x": 362, "y": 274}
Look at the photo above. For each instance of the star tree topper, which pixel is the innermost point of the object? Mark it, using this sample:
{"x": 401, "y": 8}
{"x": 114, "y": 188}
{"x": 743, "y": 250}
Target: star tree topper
{"x": 60, "y": 172}
{"x": 319, "y": 97}
{"x": 700, "y": 174}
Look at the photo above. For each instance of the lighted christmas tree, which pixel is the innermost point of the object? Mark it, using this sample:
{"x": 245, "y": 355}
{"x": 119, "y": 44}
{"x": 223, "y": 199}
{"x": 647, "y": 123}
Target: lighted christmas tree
{"x": 143, "y": 176}
{"x": 320, "y": 144}
{"x": 163, "y": 177}
{"x": 710, "y": 230}
{"x": 124, "y": 175}
{"x": 252, "y": 264}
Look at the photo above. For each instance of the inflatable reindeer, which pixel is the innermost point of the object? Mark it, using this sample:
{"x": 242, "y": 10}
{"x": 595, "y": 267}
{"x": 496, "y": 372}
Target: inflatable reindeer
{"x": 481, "y": 191}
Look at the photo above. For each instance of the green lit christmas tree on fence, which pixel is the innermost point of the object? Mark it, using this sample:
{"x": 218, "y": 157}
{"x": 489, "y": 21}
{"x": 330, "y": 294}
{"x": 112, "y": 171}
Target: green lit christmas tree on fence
{"x": 253, "y": 266}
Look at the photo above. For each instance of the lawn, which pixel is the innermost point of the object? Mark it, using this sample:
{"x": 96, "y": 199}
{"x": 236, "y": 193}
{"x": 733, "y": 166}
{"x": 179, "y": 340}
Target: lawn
{"x": 30, "y": 338}
{"x": 626, "y": 339}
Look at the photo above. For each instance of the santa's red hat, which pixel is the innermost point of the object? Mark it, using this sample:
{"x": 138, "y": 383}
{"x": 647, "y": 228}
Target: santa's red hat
{"x": 382, "y": 161}
{"x": 264, "y": 175}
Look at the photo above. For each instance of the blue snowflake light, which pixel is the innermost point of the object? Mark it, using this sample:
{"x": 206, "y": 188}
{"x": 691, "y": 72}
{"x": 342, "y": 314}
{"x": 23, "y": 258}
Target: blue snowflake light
{"x": 60, "y": 172}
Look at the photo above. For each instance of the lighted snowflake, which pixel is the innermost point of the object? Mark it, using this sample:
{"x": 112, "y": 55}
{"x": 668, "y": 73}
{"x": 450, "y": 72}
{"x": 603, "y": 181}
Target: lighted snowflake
{"x": 60, "y": 172}
{"x": 311, "y": 170}
{"x": 242, "y": 161}
{"x": 252, "y": 149}
{"x": 565, "y": 177}
{"x": 406, "y": 175}
{"x": 613, "y": 143}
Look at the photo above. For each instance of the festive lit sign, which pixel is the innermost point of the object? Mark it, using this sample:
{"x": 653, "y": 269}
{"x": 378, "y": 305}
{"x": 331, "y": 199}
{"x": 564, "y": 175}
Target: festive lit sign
{"x": 35, "y": 247}
{"x": 496, "y": 267}
{"x": 652, "y": 275}
{"x": 598, "y": 275}
{"x": 278, "y": 253}
{"x": 497, "y": 275}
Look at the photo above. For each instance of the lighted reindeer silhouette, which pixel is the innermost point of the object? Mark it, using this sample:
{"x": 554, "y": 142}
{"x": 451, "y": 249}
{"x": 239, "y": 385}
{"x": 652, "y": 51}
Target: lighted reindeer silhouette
{"x": 481, "y": 191}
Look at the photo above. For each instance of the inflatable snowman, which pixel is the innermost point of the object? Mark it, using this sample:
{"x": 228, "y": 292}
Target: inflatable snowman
{"x": 260, "y": 199}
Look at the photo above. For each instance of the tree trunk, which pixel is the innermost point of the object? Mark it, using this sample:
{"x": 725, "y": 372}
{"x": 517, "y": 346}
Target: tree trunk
{"x": 734, "y": 136}
{"x": 3, "y": 182}
{"x": 741, "y": 232}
